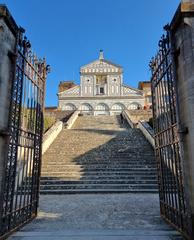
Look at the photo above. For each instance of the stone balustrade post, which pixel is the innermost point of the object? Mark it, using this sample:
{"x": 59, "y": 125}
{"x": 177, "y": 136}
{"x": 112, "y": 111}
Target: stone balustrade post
{"x": 187, "y": 5}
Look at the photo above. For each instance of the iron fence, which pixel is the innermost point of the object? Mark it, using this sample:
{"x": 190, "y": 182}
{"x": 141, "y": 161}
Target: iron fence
{"x": 168, "y": 149}
{"x": 22, "y": 172}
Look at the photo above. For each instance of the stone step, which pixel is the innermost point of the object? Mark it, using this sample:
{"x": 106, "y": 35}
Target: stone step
{"x": 65, "y": 181}
{"x": 107, "y": 169}
{"x": 81, "y": 174}
{"x": 101, "y": 156}
{"x": 138, "y": 145}
{"x": 137, "y": 150}
{"x": 87, "y": 156}
{"x": 102, "y": 234}
{"x": 98, "y": 181}
{"x": 63, "y": 164}
{"x": 114, "y": 152}
{"x": 100, "y": 166}
{"x": 79, "y": 162}
{"x": 97, "y": 155}
{"x": 87, "y": 191}
{"x": 97, "y": 167}
{"x": 99, "y": 185}
{"x": 102, "y": 177}
{"x": 114, "y": 140}
{"x": 120, "y": 146}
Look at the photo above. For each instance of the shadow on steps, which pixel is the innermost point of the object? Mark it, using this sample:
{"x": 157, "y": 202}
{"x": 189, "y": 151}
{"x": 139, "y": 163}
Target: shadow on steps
{"x": 99, "y": 161}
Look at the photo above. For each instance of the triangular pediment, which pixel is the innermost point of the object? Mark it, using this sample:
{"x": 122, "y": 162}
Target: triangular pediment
{"x": 101, "y": 66}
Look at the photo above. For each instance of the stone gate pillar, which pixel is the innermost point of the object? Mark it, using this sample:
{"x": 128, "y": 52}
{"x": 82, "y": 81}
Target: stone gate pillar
{"x": 182, "y": 29}
{"x": 8, "y": 33}
{"x": 187, "y": 5}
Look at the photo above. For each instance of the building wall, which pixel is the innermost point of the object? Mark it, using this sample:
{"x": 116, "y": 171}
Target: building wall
{"x": 89, "y": 85}
{"x": 115, "y": 83}
{"x": 114, "y": 105}
{"x": 101, "y": 89}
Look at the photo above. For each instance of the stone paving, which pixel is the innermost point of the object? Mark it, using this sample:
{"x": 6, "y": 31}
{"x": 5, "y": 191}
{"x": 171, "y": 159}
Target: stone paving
{"x": 98, "y": 217}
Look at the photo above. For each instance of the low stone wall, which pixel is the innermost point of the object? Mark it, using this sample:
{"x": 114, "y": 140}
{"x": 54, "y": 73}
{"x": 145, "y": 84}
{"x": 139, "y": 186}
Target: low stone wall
{"x": 72, "y": 119}
{"x": 54, "y": 131}
{"x": 51, "y": 135}
{"x": 147, "y": 131}
{"x": 145, "y": 128}
{"x": 127, "y": 118}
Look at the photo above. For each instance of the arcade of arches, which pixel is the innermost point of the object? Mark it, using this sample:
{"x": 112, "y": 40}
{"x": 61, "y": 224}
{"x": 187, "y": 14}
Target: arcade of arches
{"x": 102, "y": 108}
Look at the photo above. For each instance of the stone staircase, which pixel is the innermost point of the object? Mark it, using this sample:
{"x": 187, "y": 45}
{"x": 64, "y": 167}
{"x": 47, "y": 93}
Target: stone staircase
{"x": 99, "y": 155}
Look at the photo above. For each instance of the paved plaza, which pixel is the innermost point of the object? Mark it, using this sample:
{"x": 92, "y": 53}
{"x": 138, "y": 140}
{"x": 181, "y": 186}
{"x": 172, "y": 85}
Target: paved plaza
{"x": 98, "y": 217}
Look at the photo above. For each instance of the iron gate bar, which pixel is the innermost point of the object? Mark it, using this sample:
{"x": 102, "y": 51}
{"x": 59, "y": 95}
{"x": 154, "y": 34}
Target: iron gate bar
{"x": 22, "y": 176}
{"x": 173, "y": 202}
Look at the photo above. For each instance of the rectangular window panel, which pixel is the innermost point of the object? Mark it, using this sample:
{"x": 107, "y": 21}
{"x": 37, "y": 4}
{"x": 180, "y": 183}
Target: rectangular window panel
{"x": 101, "y": 90}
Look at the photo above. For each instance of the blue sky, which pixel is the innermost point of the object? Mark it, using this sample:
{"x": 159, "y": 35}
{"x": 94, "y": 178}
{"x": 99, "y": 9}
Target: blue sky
{"x": 70, "y": 33}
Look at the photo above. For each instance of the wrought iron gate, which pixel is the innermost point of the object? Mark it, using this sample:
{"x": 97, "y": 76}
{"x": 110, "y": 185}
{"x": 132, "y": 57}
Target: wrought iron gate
{"x": 21, "y": 183}
{"x": 173, "y": 202}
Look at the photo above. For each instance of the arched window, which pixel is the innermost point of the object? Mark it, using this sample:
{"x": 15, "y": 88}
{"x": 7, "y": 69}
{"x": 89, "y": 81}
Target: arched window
{"x": 86, "y": 107}
{"x": 69, "y": 107}
{"x": 134, "y": 106}
{"x": 102, "y": 107}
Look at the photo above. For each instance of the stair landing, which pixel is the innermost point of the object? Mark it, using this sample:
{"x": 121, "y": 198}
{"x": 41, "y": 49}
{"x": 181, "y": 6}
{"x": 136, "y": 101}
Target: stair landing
{"x": 98, "y": 217}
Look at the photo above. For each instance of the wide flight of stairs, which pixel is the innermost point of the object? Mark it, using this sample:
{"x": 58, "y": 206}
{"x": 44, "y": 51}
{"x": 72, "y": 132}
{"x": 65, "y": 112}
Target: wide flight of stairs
{"x": 99, "y": 155}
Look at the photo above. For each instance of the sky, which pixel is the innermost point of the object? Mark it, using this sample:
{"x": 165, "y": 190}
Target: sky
{"x": 70, "y": 33}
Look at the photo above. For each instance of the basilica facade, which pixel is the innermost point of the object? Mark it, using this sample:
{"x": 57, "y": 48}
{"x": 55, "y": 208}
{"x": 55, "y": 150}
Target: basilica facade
{"x": 101, "y": 91}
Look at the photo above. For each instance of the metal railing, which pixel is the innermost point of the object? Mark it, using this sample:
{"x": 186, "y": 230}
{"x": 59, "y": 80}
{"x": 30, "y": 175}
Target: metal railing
{"x": 22, "y": 170}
